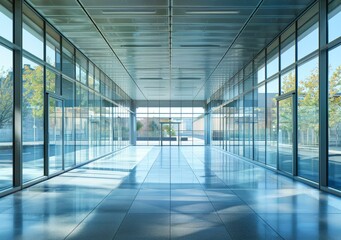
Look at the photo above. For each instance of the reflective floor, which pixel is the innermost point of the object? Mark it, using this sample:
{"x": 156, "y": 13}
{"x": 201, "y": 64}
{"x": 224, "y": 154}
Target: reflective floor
{"x": 170, "y": 193}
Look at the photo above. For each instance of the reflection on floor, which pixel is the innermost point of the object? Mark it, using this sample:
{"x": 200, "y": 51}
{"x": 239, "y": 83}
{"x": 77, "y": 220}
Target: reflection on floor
{"x": 170, "y": 193}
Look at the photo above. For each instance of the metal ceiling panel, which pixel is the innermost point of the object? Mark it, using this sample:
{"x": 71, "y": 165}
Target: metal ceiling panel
{"x": 170, "y": 49}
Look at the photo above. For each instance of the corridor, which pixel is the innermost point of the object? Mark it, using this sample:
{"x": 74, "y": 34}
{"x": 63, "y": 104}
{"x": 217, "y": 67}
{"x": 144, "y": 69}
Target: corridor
{"x": 170, "y": 193}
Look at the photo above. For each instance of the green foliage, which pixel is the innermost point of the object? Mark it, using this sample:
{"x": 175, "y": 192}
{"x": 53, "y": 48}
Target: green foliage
{"x": 335, "y": 98}
{"x": 166, "y": 128}
{"x": 6, "y": 98}
{"x": 33, "y": 90}
{"x": 139, "y": 125}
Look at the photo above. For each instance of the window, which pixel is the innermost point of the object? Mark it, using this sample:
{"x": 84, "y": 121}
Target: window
{"x": 272, "y": 62}
{"x": 81, "y": 66}
{"x": 308, "y": 120}
{"x": 68, "y": 59}
{"x": 33, "y": 40}
{"x": 91, "y": 75}
{"x": 6, "y": 20}
{"x": 52, "y": 81}
{"x": 52, "y": 47}
{"x": 334, "y": 118}
{"x": 6, "y": 117}
{"x": 69, "y": 123}
{"x": 271, "y": 116}
{"x": 334, "y": 19}
{"x": 307, "y": 38}
{"x": 259, "y": 126}
{"x": 260, "y": 67}
{"x": 288, "y": 52}
{"x": 97, "y": 79}
{"x": 288, "y": 81}
{"x": 248, "y": 125}
{"x": 33, "y": 120}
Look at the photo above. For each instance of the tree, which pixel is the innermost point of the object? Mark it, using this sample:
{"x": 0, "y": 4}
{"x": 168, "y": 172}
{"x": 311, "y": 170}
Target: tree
{"x": 6, "y": 97}
{"x": 308, "y": 103}
{"x": 168, "y": 130}
{"x": 154, "y": 128}
{"x": 33, "y": 90}
{"x": 139, "y": 125}
{"x": 334, "y": 106}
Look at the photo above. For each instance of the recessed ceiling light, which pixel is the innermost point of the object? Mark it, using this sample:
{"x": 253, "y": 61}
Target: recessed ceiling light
{"x": 188, "y": 78}
{"x": 200, "y": 45}
{"x": 140, "y": 45}
{"x": 151, "y": 78}
{"x": 127, "y": 11}
{"x": 193, "y": 87}
{"x": 154, "y": 87}
{"x": 219, "y": 12}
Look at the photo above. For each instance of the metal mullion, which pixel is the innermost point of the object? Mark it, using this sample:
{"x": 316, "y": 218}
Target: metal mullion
{"x": 17, "y": 90}
{"x": 295, "y": 107}
{"x": 323, "y": 95}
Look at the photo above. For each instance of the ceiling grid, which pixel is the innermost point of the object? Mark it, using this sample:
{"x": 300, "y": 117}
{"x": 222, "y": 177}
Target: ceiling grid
{"x": 170, "y": 49}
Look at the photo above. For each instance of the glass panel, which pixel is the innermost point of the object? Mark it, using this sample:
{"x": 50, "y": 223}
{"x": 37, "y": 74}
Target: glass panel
{"x": 288, "y": 81}
{"x": 91, "y": 75}
{"x": 97, "y": 81}
{"x": 308, "y": 120}
{"x": 288, "y": 52}
{"x": 272, "y": 63}
{"x": 106, "y": 126}
{"x": 307, "y": 38}
{"x": 33, "y": 120}
{"x": 51, "y": 81}
{"x": 52, "y": 47}
{"x": 259, "y": 126}
{"x": 55, "y": 135}
{"x": 334, "y": 119}
{"x": 334, "y": 19}
{"x": 260, "y": 68}
{"x": 33, "y": 40}
{"x": 6, "y": 118}
{"x": 198, "y": 123}
{"x": 240, "y": 122}
{"x": 6, "y": 20}
{"x": 69, "y": 124}
{"x": 68, "y": 59}
{"x": 285, "y": 135}
{"x": 82, "y": 121}
{"x": 248, "y": 125}
{"x": 271, "y": 132}
{"x": 174, "y": 137}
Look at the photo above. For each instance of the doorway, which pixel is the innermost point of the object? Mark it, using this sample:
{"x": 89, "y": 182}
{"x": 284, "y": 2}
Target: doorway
{"x": 55, "y": 135}
{"x": 170, "y": 134}
{"x": 286, "y": 136}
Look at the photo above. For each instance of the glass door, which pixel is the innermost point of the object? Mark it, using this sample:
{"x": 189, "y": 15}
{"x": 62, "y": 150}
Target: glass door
{"x": 286, "y": 134}
{"x": 170, "y": 134}
{"x": 55, "y": 134}
{"x": 175, "y": 138}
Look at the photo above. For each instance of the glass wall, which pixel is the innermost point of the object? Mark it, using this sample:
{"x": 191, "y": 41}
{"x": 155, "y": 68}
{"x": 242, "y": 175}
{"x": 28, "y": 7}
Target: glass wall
{"x": 308, "y": 120}
{"x": 334, "y": 122}
{"x": 188, "y": 127}
{"x": 280, "y": 110}
{"x": 259, "y": 124}
{"x": 6, "y": 20}
{"x": 334, "y": 96}
{"x": 67, "y": 117}
{"x": 271, "y": 118}
{"x": 6, "y": 117}
{"x": 33, "y": 120}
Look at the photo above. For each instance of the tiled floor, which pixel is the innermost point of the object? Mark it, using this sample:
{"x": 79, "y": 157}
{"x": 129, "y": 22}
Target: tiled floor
{"x": 170, "y": 193}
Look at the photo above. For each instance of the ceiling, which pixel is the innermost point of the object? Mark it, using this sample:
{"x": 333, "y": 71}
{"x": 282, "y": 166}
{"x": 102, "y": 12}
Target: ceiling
{"x": 170, "y": 49}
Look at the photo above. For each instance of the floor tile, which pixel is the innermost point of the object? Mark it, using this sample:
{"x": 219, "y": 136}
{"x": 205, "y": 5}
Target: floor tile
{"x": 170, "y": 193}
